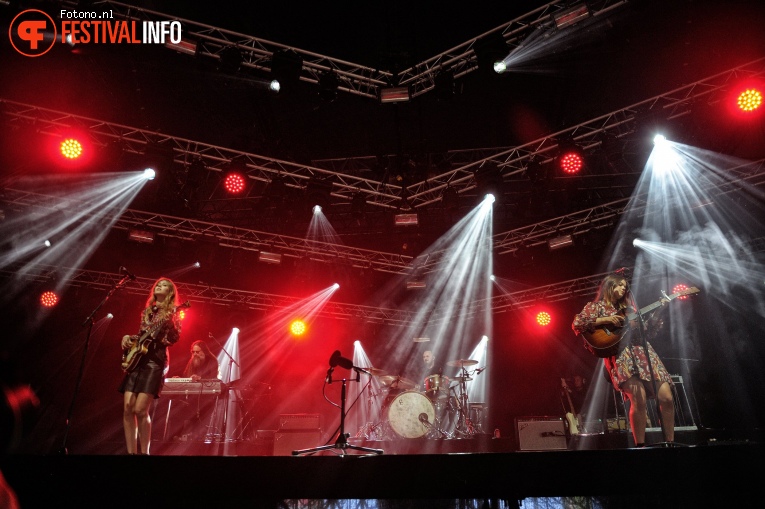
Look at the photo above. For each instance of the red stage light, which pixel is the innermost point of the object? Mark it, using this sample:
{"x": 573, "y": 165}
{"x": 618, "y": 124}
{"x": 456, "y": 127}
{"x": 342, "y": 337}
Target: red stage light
{"x": 749, "y": 100}
{"x": 234, "y": 183}
{"x": 298, "y": 328}
{"x": 571, "y": 162}
{"x": 679, "y": 288}
{"x": 181, "y": 314}
{"x": 544, "y": 318}
{"x": 71, "y": 148}
{"x": 48, "y": 299}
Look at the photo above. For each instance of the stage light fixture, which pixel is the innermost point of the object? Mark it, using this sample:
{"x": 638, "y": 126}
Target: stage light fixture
{"x": 286, "y": 66}
{"x": 560, "y": 242}
{"x": 48, "y": 299}
{"x": 394, "y": 95}
{"x": 298, "y": 327}
{"x": 571, "y": 15}
{"x": 185, "y": 46}
{"x": 230, "y": 60}
{"x": 450, "y": 199}
{"x": 142, "y": 236}
{"x": 749, "y": 100}
{"x": 444, "y": 86}
{"x": 543, "y": 318}
{"x": 570, "y": 158}
{"x": 406, "y": 219}
{"x": 328, "y": 85}
{"x": 234, "y": 182}
{"x": 71, "y": 148}
{"x": 490, "y": 52}
{"x": 266, "y": 257}
{"x": 358, "y": 205}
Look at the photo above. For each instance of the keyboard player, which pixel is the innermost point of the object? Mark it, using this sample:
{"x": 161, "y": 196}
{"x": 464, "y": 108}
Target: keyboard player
{"x": 196, "y": 411}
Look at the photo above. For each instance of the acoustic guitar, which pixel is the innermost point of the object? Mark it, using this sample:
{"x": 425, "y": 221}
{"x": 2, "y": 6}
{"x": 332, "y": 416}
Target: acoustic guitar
{"x": 573, "y": 422}
{"x": 604, "y": 341}
{"x": 133, "y": 354}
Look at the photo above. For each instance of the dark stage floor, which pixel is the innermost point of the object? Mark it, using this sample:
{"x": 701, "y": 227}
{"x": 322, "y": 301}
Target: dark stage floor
{"x": 699, "y": 472}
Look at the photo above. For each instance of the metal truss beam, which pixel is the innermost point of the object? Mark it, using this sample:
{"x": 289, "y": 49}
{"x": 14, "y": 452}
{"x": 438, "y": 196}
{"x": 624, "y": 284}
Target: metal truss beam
{"x": 257, "y": 53}
{"x": 352, "y": 78}
{"x": 462, "y": 59}
{"x": 227, "y": 236}
{"x": 512, "y": 161}
{"x": 588, "y": 135}
{"x": 209, "y": 294}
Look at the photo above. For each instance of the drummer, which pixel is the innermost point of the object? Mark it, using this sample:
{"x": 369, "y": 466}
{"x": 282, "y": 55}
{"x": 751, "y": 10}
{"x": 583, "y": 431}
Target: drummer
{"x": 431, "y": 369}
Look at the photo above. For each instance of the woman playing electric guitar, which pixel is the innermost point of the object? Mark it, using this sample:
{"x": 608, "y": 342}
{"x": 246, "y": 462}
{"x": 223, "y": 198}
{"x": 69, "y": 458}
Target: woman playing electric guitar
{"x": 627, "y": 365}
{"x": 145, "y": 360}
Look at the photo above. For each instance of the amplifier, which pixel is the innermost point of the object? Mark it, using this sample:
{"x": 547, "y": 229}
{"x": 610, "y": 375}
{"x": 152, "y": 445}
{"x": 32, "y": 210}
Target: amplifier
{"x": 299, "y": 421}
{"x": 541, "y": 433}
{"x": 287, "y": 441}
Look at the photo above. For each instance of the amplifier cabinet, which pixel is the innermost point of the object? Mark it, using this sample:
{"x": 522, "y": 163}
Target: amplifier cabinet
{"x": 299, "y": 421}
{"x": 542, "y": 433}
{"x": 292, "y": 440}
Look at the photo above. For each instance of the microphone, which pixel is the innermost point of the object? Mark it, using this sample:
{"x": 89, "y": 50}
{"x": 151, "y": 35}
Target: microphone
{"x": 423, "y": 417}
{"x": 337, "y": 359}
{"x": 129, "y": 274}
{"x": 480, "y": 370}
{"x": 328, "y": 378}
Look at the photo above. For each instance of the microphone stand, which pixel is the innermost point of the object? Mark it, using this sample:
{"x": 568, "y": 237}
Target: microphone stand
{"x": 231, "y": 361}
{"x": 644, "y": 342}
{"x": 342, "y": 439}
{"x": 89, "y": 322}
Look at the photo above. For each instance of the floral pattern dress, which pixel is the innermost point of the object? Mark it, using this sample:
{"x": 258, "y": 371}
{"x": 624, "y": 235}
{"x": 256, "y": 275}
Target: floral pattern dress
{"x": 630, "y": 358}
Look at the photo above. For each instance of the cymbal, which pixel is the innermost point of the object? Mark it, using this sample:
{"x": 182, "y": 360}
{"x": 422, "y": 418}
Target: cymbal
{"x": 396, "y": 382}
{"x": 377, "y": 371}
{"x": 461, "y": 379}
{"x": 462, "y": 362}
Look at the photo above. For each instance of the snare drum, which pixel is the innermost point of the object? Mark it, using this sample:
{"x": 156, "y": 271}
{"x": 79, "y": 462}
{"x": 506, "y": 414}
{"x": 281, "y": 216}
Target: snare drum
{"x": 437, "y": 387}
{"x": 403, "y": 411}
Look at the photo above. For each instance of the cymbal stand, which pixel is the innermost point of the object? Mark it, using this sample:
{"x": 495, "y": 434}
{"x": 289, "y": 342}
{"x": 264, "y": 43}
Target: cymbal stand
{"x": 342, "y": 438}
{"x": 464, "y": 424}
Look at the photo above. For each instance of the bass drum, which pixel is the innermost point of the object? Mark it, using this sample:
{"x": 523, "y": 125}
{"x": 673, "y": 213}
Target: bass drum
{"x": 402, "y": 412}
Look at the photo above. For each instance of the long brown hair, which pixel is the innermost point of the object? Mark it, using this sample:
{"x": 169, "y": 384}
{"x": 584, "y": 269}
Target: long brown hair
{"x": 163, "y": 308}
{"x": 606, "y": 291}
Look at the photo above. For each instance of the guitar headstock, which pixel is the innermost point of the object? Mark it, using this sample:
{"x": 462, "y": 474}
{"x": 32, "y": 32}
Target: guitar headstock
{"x": 685, "y": 292}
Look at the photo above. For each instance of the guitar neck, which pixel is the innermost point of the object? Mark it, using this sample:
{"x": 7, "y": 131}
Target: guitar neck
{"x": 654, "y": 305}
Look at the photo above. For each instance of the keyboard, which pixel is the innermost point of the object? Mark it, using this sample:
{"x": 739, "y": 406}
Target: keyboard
{"x": 185, "y": 387}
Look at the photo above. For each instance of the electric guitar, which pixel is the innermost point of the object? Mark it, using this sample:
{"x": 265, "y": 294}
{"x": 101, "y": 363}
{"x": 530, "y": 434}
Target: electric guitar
{"x": 573, "y": 422}
{"x": 133, "y": 354}
{"x": 604, "y": 341}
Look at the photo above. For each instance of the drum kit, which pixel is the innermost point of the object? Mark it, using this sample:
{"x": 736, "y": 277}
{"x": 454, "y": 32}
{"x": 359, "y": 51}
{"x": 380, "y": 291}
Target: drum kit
{"x": 442, "y": 410}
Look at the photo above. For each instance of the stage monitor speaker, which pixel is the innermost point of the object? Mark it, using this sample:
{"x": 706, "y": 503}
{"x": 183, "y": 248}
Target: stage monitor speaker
{"x": 541, "y": 433}
{"x": 287, "y": 441}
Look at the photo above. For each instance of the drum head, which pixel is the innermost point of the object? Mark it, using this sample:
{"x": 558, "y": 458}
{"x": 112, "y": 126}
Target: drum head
{"x": 403, "y": 414}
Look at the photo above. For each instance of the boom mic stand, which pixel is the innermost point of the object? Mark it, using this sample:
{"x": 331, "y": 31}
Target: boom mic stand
{"x": 89, "y": 322}
{"x": 342, "y": 439}
{"x": 231, "y": 362}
